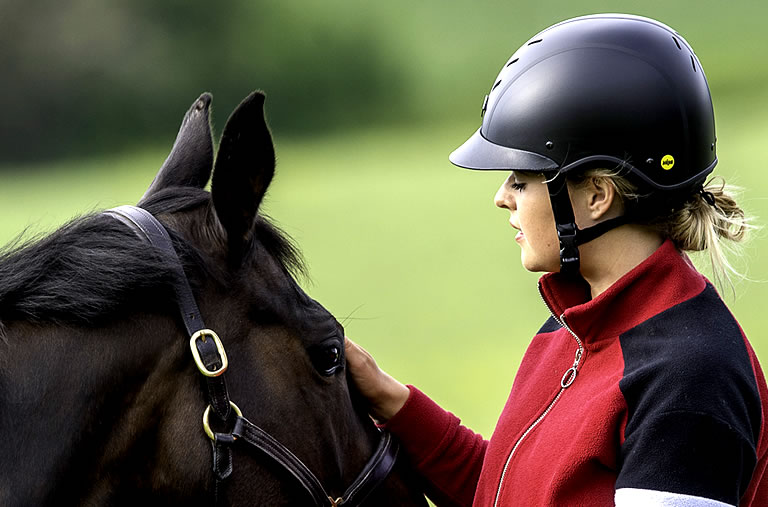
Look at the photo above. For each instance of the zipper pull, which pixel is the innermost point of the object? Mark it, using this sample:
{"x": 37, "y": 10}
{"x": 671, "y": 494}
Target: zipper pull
{"x": 570, "y": 374}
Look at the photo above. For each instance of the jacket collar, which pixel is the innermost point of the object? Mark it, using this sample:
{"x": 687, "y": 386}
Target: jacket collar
{"x": 664, "y": 279}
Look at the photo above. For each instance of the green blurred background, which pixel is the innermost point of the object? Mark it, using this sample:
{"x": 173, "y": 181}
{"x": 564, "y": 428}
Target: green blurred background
{"x": 366, "y": 100}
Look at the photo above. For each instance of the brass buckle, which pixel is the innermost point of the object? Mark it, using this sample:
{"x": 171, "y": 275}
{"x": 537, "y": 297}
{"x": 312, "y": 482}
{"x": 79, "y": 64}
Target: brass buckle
{"x": 203, "y": 334}
{"x": 206, "y": 424}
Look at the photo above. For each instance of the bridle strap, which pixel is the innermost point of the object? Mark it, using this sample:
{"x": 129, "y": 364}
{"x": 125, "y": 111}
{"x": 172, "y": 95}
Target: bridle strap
{"x": 378, "y": 467}
{"x": 376, "y": 470}
{"x": 148, "y": 228}
{"x": 266, "y": 443}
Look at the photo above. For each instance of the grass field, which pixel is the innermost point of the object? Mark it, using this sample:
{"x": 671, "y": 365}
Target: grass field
{"x": 408, "y": 251}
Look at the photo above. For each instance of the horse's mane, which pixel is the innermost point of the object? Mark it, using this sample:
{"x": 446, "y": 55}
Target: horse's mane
{"x": 94, "y": 266}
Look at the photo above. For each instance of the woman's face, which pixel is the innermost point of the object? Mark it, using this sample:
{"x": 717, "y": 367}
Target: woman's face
{"x": 526, "y": 197}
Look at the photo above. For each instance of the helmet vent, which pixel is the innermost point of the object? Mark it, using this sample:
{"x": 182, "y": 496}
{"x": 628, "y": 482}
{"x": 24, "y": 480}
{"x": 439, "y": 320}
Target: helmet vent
{"x": 496, "y": 85}
{"x": 677, "y": 43}
{"x": 693, "y": 63}
{"x": 512, "y": 61}
{"x": 534, "y": 42}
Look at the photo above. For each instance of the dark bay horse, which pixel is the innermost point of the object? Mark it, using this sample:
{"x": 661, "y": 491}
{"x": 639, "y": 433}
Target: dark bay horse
{"x": 101, "y": 402}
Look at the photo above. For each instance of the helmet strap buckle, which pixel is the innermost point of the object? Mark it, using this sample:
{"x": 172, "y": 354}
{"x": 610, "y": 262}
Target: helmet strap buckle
{"x": 565, "y": 223}
{"x": 569, "y": 248}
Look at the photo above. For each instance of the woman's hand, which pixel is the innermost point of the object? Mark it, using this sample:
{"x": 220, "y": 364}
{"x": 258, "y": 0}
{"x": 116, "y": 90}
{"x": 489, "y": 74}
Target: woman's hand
{"x": 385, "y": 395}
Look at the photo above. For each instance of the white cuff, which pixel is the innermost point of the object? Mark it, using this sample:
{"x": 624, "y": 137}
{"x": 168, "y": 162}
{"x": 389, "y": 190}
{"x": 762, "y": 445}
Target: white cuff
{"x": 632, "y": 497}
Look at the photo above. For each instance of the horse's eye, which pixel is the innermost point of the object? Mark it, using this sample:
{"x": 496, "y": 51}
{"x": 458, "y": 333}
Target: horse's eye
{"x": 332, "y": 355}
{"x": 327, "y": 358}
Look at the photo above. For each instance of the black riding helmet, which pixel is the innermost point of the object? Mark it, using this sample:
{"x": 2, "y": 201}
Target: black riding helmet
{"x": 610, "y": 90}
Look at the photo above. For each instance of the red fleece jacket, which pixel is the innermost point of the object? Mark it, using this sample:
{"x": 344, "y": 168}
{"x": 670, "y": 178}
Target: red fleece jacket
{"x": 667, "y": 404}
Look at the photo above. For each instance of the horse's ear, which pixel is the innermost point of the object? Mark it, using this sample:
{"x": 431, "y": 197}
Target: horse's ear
{"x": 244, "y": 168}
{"x": 191, "y": 159}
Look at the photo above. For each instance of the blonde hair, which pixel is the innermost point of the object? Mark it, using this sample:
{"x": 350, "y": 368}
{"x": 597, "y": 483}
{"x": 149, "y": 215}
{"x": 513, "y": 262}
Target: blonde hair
{"x": 703, "y": 222}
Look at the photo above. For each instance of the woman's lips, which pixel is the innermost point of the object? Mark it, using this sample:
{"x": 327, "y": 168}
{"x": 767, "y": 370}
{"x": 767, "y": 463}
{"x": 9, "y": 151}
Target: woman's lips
{"x": 519, "y": 236}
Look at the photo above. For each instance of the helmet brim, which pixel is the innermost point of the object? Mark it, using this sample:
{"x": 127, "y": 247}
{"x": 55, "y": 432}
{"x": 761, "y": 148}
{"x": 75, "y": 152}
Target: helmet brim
{"x": 479, "y": 153}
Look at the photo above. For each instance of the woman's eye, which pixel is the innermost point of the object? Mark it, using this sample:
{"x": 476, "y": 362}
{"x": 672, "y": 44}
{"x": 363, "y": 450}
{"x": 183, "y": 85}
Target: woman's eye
{"x": 518, "y": 186}
{"x": 327, "y": 359}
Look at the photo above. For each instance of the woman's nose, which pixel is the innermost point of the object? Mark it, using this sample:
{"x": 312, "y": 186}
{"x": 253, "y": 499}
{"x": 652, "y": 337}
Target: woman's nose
{"x": 504, "y": 198}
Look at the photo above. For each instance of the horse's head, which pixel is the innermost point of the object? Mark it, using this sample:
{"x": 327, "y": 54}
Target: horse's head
{"x": 100, "y": 399}
{"x": 286, "y": 351}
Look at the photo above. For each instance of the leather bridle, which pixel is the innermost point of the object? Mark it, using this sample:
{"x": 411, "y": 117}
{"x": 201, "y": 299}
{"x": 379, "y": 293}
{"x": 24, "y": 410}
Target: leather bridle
{"x": 211, "y": 359}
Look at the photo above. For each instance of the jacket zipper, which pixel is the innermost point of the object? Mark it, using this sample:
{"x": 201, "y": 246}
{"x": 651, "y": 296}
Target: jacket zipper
{"x": 568, "y": 378}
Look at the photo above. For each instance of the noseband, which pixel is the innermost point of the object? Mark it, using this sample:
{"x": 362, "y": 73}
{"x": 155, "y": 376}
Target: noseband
{"x": 211, "y": 359}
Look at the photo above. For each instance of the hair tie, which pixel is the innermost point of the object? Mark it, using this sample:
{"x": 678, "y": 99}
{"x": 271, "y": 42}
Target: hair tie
{"x": 708, "y": 196}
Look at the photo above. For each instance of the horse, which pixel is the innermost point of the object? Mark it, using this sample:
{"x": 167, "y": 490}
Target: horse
{"x": 102, "y": 401}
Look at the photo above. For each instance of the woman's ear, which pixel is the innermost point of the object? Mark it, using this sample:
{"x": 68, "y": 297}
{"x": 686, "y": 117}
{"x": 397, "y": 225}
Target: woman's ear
{"x": 601, "y": 198}
{"x": 594, "y": 200}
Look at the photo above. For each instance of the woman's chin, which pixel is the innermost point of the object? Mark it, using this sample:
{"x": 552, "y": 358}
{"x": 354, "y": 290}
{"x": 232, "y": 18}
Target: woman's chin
{"x": 535, "y": 264}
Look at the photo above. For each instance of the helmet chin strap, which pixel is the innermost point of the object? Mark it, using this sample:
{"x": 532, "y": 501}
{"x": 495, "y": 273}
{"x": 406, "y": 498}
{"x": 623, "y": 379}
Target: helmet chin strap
{"x": 568, "y": 233}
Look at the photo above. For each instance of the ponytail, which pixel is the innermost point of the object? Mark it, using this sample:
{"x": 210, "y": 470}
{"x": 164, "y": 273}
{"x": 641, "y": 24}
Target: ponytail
{"x": 704, "y": 221}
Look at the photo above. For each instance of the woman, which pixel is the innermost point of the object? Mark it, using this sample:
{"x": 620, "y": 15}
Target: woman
{"x": 640, "y": 388}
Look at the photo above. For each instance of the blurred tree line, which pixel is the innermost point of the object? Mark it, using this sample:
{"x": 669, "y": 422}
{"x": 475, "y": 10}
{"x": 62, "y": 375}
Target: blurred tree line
{"x": 86, "y": 76}
{"x": 114, "y": 73}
